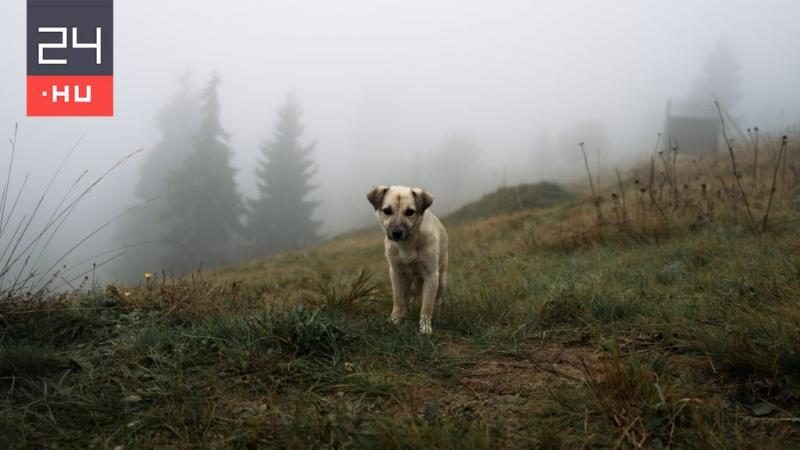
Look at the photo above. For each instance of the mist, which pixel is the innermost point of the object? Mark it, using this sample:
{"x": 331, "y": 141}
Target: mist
{"x": 478, "y": 94}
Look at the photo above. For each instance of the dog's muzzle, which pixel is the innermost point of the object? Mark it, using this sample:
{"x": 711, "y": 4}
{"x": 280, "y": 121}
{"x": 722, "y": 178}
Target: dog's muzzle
{"x": 397, "y": 233}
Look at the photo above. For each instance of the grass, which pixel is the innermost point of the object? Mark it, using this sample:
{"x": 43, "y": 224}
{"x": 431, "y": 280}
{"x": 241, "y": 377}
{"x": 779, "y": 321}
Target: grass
{"x": 648, "y": 330}
{"x": 511, "y": 199}
{"x": 24, "y": 275}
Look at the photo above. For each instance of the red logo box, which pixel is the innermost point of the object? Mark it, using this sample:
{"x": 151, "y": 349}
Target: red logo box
{"x": 70, "y": 57}
{"x": 70, "y": 95}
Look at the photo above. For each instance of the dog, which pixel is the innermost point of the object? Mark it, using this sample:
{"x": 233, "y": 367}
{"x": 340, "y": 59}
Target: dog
{"x": 415, "y": 244}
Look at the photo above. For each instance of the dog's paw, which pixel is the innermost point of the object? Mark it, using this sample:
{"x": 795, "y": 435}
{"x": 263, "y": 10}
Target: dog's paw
{"x": 396, "y": 317}
{"x": 425, "y": 325}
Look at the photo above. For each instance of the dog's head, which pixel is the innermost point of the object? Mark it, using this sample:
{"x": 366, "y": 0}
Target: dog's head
{"x": 399, "y": 209}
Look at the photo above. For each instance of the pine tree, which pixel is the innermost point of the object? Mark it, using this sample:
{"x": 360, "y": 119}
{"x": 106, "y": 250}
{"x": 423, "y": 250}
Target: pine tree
{"x": 204, "y": 206}
{"x": 177, "y": 122}
{"x": 720, "y": 77}
{"x": 280, "y": 218}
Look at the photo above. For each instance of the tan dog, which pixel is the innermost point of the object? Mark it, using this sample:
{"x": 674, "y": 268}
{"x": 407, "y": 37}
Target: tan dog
{"x": 416, "y": 248}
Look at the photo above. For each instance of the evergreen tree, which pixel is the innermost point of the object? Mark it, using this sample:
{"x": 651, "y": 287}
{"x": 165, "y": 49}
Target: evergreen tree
{"x": 204, "y": 206}
{"x": 177, "y": 122}
{"x": 280, "y": 218}
{"x": 720, "y": 77}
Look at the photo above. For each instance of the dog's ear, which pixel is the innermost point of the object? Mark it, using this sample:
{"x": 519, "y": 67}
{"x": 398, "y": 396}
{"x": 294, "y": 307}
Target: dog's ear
{"x": 423, "y": 199}
{"x": 375, "y": 196}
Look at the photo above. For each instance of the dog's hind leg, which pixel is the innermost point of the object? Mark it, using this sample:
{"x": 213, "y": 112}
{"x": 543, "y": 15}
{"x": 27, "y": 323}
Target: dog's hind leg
{"x": 414, "y": 290}
{"x": 440, "y": 293}
{"x": 442, "y": 287}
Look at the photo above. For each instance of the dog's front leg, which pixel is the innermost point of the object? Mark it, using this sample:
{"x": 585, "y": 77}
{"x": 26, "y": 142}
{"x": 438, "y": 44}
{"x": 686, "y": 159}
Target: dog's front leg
{"x": 399, "y": 295}
{"x": 430, "y": 285}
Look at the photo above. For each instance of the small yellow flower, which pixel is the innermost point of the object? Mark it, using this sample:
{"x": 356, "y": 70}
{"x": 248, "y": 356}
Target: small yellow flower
{"x": 127, "y": 293}
{"x": 148, "y": 275}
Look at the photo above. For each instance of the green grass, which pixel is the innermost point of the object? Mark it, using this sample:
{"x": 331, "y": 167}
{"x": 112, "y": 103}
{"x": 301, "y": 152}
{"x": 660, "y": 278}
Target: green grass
{"x": 684, "y": 338}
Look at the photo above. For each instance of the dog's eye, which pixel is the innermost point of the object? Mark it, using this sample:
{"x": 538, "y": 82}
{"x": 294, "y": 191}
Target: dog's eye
{"x": 387, "y": 211}
{"x": 410, "y": 212}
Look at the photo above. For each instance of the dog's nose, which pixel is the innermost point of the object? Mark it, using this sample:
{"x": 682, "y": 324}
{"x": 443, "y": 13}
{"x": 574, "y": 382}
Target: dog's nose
{"x": 397, "y": 234}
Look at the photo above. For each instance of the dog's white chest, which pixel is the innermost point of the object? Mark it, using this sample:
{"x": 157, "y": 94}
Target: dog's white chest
{"x": 408, "y": 256}
{"x": 402, "y": 255}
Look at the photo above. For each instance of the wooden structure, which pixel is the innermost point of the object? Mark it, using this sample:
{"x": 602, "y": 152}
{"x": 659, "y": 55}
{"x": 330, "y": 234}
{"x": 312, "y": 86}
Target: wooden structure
{"x": 694, "y": 125}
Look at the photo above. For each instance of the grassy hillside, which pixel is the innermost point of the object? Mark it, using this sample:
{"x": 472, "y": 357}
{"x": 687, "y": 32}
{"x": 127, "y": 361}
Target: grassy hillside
{"x": 670, "y": 321}
{"x": 507, "y": 200}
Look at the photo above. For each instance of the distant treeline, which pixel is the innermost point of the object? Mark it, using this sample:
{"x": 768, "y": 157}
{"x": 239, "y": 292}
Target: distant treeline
{"x": 192, "y": 213}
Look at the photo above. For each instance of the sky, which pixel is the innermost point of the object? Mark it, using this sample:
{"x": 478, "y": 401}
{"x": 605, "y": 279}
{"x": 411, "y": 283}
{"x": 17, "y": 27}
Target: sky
{"x": 384, "y": 83}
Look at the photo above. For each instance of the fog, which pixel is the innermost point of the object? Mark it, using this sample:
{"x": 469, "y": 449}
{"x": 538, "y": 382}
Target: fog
{"x": 386, "y": 88}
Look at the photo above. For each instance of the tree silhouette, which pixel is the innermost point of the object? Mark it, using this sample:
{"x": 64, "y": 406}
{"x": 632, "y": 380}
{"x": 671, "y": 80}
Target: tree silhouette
{"x": 720, "y": 77}
{"x": 177, "y": 122}
{"x": 204, "y": 206}
{"x": 280, "y": 217}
